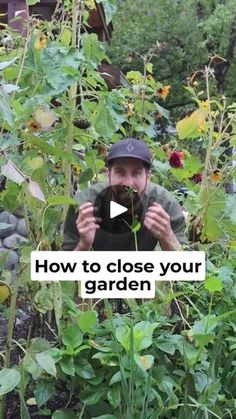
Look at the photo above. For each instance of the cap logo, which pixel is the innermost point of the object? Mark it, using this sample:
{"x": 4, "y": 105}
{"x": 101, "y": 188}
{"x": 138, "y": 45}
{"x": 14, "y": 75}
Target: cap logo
{"x": 130, "y": 147}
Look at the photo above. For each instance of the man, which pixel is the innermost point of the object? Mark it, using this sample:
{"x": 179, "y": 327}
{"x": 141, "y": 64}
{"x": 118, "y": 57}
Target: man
{"x": 153, "y": 217}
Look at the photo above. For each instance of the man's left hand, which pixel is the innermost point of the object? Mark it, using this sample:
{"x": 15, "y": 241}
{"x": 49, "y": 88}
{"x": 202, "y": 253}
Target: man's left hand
{"x": 158, "y": 222}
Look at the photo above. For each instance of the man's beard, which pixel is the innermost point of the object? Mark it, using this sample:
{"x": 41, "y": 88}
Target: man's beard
{"x": 126, "y": 196}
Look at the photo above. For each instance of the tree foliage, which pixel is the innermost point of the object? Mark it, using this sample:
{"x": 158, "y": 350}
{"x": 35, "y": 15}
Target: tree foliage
{"x": 187, "y": 33}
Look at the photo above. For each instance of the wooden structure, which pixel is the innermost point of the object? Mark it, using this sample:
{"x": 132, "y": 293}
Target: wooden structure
{"x": 96, "y": 23}
{"x": 45, "y": 9}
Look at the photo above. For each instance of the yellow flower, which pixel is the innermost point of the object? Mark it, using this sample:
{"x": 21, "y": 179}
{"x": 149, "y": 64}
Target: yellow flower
{"x": 41, "y": 42}
{"x": 205, "y": 105}
{"x": 216, "y": 176}
{"x": 163, "y": 92}
{"x": 130, "y": 110}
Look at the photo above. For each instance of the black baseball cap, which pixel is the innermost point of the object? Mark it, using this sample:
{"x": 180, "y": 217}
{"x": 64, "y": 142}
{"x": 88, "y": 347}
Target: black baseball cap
{"x": 130, "y": 147}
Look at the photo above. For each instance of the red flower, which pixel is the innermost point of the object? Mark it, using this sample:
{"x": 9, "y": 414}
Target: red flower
{"x": 176, "y": 159}
{"x": 197, "y": 178}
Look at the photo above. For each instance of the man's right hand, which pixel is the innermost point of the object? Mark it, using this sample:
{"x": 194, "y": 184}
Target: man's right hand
{"x": 86, "y": 225}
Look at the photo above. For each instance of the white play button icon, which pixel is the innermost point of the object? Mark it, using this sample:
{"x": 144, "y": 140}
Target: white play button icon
{"x": 116, "y": 209}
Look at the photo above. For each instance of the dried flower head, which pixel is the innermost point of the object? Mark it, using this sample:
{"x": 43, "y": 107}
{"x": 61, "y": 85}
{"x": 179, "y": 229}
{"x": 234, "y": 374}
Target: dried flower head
{"x": 216, "y": 175}
{"x": 41, "y": 42}
{"x": 197, "y": 178}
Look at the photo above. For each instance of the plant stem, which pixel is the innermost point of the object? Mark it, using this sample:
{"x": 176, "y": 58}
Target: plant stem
{"x": 10, "y": 329}
{"x": 72, "y": 106}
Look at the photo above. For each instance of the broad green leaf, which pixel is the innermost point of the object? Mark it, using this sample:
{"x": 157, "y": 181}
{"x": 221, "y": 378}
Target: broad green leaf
{"x": 11, "y": 196}
{"x": 192, "y": 126}
{"x": 31, "y": 366}
{"x": 67, "y": 365}
{"x": 61, "y": 200}
{"x": 9, "y": 141}
{"x": 144, "y": 362}
{"x": 123, "y": 336}
{"x": 135, "y": 76}
{"x": 43, "y": 392}
{"x": 87, "y": 321}
{"x": 147, "y": 107}
{"x": 143, "y": 335}
{"x": 209, "y": 396}
{"x": 38, "y": 345}
{"x": 68, "y": 288}
{"x": 54, "y": 58}
{"x": 116, "y": 378}
{"x": 90, "y": 398}
{"x": 84, "y": 369}
{"x": 107, "y": 118}
{"x": 213, "y": 284}
{"x": 166, "y": 385}
{"x": 6, "y": 113}
{"x": 86, "y": 175}
{"x": 46, "y": 362}
{"x": 114, "y": 397}
{"x": 64, "y": 414}
{"x": 169, "y": 344}
{"x": 44, "y": 299}
{"x": 164, "y": 112}
{"x": 203, "y": 330}
{"x": 92, "y": 49}
{"x": 213, "y": 202}
{"x": 65, "y": 37}
{"x": 72, "y": 336}
{"x": 9, "y": 379}
{"x": 34, "y": 163}
{"x": 191, "y": 353}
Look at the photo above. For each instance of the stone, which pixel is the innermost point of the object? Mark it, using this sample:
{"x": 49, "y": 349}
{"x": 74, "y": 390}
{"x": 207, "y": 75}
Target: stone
{"x": 13, "y": 241}
{"x": 19, "y": 212}
{"x": 21, "y": 227}
{"x": 12, "y": 258}
{"x": 7, "y": 218}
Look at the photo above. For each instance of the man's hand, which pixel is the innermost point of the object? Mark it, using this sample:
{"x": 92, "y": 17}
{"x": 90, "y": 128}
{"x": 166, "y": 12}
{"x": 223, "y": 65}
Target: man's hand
{"x": 86, "y": 225}
{"x": 158, "y": 222}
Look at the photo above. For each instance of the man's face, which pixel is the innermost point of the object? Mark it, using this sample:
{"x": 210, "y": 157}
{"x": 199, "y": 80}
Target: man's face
{"x": 128, "y": 172}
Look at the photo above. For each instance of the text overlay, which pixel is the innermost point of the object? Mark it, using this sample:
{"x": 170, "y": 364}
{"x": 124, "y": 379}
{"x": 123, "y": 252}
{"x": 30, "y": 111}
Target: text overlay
{"x": 117, "y": 274}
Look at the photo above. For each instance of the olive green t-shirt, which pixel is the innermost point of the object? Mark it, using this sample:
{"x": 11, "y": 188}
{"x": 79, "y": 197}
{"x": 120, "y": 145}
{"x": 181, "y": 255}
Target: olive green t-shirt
{"x": 115, "y": 234}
